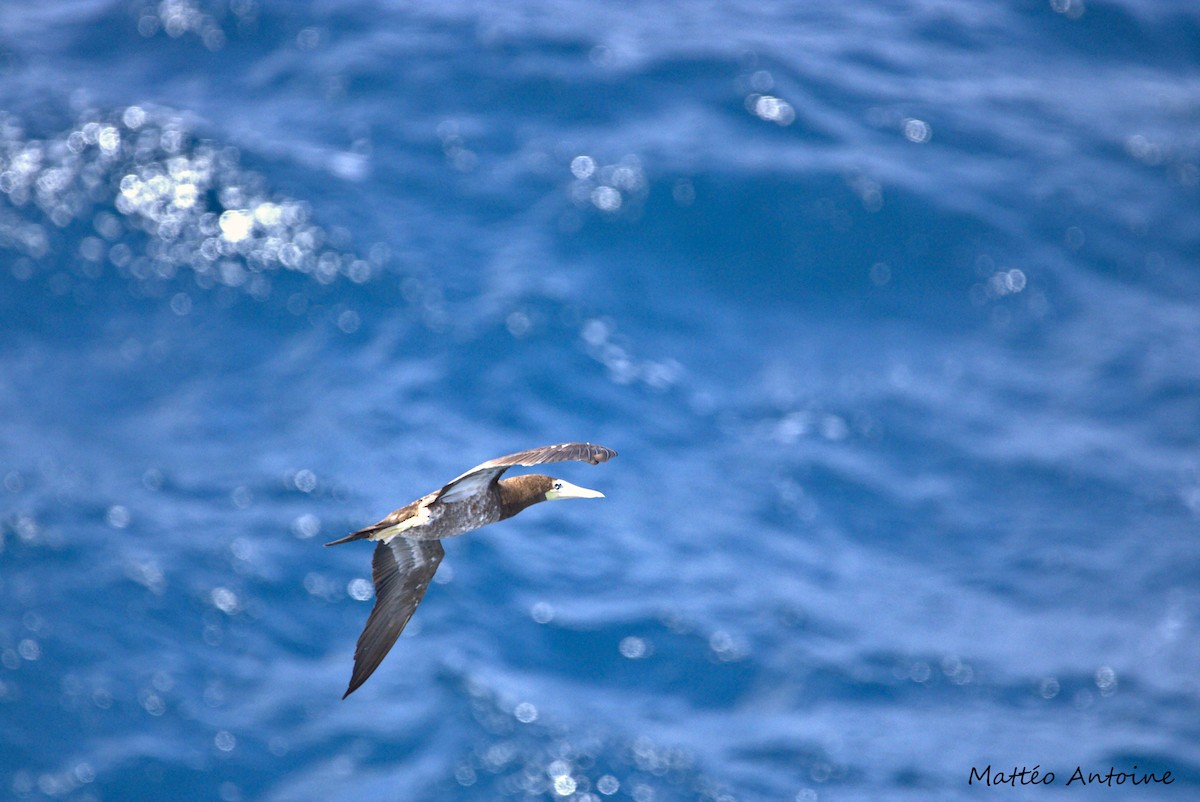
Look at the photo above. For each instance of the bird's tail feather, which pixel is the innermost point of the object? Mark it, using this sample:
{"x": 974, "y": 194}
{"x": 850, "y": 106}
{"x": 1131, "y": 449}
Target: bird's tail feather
{"x": 361, "y": 534}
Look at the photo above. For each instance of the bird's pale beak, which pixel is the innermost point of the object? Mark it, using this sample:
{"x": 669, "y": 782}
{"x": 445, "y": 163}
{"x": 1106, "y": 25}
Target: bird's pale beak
{"x": 569, "y": 490}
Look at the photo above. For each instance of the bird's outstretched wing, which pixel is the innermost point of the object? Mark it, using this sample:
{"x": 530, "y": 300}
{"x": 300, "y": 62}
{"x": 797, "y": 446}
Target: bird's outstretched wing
{"x": 476, "y": 479}
{"x": 401, "y": 569}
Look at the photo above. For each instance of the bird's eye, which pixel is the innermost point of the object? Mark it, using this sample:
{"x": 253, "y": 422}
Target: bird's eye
{"x": 558, "y": 485}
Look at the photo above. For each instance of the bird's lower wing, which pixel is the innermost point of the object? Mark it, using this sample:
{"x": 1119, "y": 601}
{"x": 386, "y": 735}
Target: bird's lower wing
{"x": 401, "y": 569}
{"x": 474, "y": 480}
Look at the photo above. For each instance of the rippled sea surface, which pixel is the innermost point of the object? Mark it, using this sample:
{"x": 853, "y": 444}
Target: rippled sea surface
{"x": 892, "y": 310}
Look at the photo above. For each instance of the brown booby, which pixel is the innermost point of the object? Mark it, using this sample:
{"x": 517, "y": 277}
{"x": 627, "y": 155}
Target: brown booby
{"x": 409, "y": 547}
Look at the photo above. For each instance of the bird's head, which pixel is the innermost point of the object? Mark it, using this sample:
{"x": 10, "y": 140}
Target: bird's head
{"x": 560, "y": 489}
{"x": 521, "y": 492}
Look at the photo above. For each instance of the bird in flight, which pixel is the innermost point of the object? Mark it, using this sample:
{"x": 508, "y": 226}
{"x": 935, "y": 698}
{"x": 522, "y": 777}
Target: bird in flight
{"x": 409, "y": 550}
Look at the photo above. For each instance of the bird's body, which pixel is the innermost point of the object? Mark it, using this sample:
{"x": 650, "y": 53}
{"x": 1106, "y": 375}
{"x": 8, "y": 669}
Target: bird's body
{"x": 409, "y": 551}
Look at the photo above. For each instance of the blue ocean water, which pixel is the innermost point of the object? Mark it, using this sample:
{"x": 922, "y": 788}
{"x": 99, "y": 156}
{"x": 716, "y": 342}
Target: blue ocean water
{"x": 891, "y": 309}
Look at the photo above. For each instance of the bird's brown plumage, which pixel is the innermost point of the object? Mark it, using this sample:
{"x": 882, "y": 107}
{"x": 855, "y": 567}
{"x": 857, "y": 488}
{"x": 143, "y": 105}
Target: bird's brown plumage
{"x": 522, "y": 492}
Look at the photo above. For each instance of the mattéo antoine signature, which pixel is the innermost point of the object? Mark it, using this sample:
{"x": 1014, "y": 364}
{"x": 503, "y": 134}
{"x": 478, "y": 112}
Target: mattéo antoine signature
{"x": 1026, "y": 776}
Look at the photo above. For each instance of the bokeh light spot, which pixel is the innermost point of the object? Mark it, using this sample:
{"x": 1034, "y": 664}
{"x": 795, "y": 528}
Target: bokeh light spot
{"x": 360, "y": 589}
{"x": 915, "y": 130}
{"x": 225, "y": 741}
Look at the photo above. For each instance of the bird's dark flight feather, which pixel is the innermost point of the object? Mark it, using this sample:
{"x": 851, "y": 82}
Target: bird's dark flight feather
{"x": 401, "y": 569}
